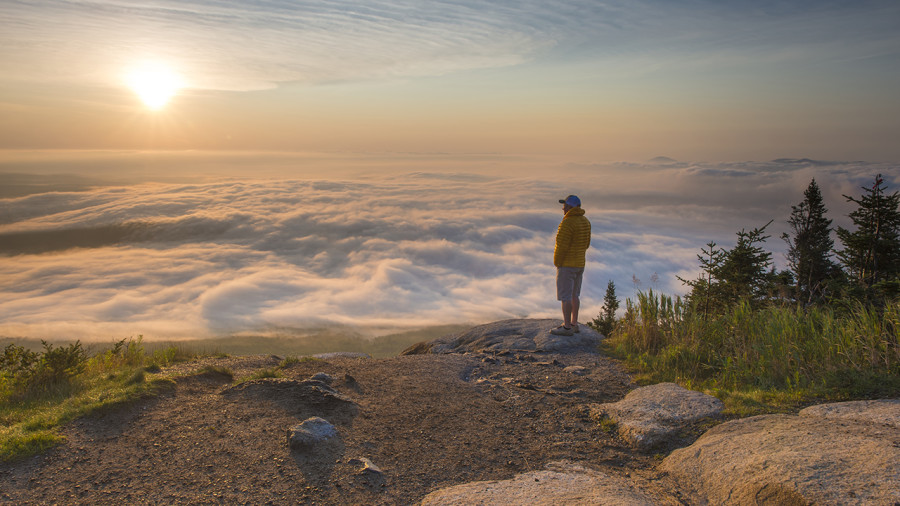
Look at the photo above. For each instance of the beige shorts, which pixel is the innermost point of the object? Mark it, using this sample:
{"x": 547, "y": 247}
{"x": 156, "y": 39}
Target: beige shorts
{"x": 568, "y": 283}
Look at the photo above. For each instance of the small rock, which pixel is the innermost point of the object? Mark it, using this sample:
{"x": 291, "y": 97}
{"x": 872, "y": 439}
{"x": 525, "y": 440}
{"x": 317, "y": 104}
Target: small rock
{"x": 369, "y": 472}
{"x": 323, "y": 377}
{"x": 367, "y": 466}
{"x": 524, "y": 385}
{"x": 650, "y": 416}
{"x": 309, "y": 432}
{"x": 577, "y": 370}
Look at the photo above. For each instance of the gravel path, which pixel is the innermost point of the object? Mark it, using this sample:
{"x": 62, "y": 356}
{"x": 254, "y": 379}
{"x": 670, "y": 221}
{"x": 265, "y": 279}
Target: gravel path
{"x": 427, "y": 421}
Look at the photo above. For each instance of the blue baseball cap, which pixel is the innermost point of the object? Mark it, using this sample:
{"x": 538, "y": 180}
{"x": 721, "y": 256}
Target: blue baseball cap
{"x": 571, "y": 201}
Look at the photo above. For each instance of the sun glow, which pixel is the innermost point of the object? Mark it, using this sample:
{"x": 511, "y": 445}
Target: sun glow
{"x": 155, "y": 85}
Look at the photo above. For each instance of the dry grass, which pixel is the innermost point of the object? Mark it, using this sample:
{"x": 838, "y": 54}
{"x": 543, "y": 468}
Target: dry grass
{"x": 771, "y": 359}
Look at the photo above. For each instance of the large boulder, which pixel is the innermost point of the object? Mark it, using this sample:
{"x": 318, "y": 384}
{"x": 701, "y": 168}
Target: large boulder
{"x": 560, "y": 483}
{"x": 884, "y": 411}
{"x": 523, "y": 335}
{"x": 652, "y": 416}
{"x": 832, "y": 454}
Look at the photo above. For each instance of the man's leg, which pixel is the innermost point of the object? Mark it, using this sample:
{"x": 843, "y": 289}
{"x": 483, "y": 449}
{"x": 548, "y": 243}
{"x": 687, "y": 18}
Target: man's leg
{"x": 564, "y": 289}
{"x": 576, "y": 295}
{"x": 567, "y": 313}
{"x": 575, "y": 303}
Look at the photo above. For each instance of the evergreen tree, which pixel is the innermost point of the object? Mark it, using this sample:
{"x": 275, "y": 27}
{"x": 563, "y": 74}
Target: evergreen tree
{"x": 605, "y": 322}
{"x": 810, "y": 246}
{"x": 706, "y": 291}
{"x": 871, "y": 253}
{"x": 746, "y": 269}
{"x": 743, "y": 272}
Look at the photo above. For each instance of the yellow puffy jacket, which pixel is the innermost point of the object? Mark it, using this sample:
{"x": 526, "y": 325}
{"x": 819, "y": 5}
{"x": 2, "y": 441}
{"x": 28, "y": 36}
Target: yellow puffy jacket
{"x": 573, "y": 238}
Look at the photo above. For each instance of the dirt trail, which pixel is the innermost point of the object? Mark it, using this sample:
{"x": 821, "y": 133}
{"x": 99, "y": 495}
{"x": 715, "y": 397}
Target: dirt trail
{"x": 428, "y": 421}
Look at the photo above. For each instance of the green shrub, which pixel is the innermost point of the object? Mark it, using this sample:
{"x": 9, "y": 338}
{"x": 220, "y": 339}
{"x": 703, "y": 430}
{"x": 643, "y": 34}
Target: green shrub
{"x": 17, "y": 360}
{"x": 24, "y": 373}
{"x": 62, "y": 363}
{"x": 124, "y": 353}
{"x": 40, "y": 391}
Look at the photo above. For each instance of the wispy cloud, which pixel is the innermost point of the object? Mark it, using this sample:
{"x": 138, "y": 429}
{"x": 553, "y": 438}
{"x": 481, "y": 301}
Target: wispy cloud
{"x": 239, "y": 45}
{"x": 407, "y": 250}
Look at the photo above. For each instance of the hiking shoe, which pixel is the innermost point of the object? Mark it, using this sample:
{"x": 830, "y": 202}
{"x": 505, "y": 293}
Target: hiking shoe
{"x": 562, "y": 331}
{"x": 575, "y": 328}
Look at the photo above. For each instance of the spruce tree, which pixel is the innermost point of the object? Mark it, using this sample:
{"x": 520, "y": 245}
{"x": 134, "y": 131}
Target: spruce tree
{"x": 746, "y": 271}
{"x": 810, "y": 246}
{"x": 871, "y": 253}
{"x": 605, "y": 322}
{"x": 706, "y": 291}
{"x": 742, "y": 273}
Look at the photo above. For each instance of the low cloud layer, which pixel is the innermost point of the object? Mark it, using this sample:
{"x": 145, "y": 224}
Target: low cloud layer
{"x": 403, "y": 251}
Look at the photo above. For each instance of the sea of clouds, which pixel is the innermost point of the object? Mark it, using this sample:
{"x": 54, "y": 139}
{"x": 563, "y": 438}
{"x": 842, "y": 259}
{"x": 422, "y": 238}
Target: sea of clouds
{"x": 377, "y": 253}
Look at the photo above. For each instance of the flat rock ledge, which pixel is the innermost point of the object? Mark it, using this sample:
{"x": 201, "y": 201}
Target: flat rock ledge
{"x": 883, "y": 411}
{"x": 561, "y": 483}
{"x": 831, "y": 454}
{"x": 652, "y": 416}
{"x": 521, "y": 335}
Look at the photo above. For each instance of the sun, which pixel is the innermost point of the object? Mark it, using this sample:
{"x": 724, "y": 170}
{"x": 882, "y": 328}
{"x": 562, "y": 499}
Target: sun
{"x": 154, "y": 84}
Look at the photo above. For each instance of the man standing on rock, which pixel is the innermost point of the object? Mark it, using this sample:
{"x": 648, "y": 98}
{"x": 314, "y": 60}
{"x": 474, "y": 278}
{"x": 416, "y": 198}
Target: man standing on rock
{"x": 573, "y": 238}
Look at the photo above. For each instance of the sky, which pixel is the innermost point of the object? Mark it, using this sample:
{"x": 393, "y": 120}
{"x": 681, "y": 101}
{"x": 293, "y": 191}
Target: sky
{"x": 592, "y": 81}
{"x": 189, "y": 168}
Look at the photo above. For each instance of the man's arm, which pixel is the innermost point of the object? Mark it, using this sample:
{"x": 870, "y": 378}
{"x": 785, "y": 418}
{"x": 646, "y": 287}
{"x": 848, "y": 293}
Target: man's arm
{"x": 588, "y": 234}
{"x": 563, "y": 241}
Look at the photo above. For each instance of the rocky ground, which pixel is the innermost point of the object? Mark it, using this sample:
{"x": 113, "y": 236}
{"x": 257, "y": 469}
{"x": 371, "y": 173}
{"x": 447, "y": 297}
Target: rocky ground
{"x": 502, "y": 404}
{"x": 427, "y": 421}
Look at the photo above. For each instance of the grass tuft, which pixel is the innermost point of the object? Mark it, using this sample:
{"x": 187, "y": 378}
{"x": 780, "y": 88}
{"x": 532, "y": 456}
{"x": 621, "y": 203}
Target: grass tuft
{"x": 263, "y": 374}
{"x": 774, "y": 359}
{"x": 16, "y": 445}
{"x": 609, "y": 426}
{"x": 289, "y": 361}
